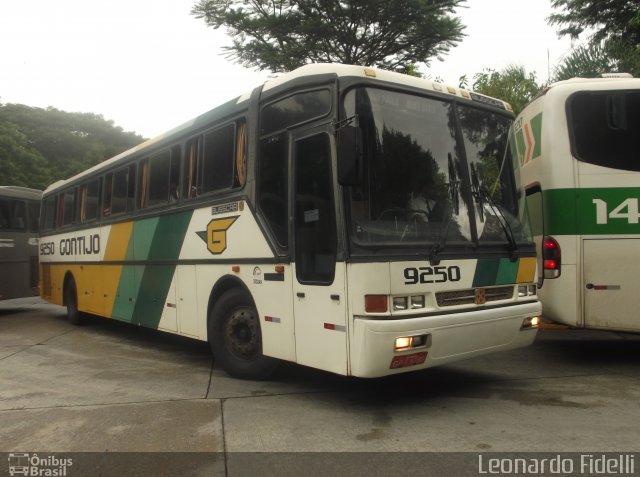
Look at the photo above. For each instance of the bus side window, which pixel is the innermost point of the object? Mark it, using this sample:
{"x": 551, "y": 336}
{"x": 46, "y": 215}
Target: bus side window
{"x": 190, "y": 185}
{"x": 273, "y": 189}
{"x": 92, "y": 201}
{"x": 241, "y": 155}
{"x": 123, "y": 189}
{"x": 315, "y": 226}
{"x": 13, "y": 214}
{"x": 218, "y": 159}
{"x": 60, "y": 215}
{"x": 159, "y": 166}
{"x": 49, "y": 213}
{"x": 5, "y": 215}
{"x": 108, "y": 192}
{"x": 174, "y": 174}
{"x": 33, "y": 211}
{"x": 143, "y": 183}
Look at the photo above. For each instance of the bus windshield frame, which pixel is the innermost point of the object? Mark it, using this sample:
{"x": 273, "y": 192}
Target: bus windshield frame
{"x": 437, "y": 172}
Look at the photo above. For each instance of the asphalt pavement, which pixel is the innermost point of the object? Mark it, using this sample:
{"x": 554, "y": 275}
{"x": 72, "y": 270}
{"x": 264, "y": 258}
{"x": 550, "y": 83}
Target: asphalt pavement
{"x": 122, "y": 400}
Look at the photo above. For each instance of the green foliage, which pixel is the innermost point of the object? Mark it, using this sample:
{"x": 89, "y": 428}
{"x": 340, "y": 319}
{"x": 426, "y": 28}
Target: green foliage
{"x": 281, "y": 35}
{"x": 585, "y": 61}
{"x": 512, "y": 85}
{"x": 40, "y": 146}
{"x": 612, "y": 24}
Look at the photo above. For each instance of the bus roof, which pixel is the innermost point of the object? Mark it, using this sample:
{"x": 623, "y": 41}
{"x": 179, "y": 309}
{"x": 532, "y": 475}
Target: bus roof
{"x": 616, "y": 80}
{"x": 235, "y": 105}
{"x": 16, "y": 192}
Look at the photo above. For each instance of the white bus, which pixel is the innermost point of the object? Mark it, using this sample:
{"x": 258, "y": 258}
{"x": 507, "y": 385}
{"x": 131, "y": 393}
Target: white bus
{"x": 345, "y": 218}
{"x": 578, "y": 144}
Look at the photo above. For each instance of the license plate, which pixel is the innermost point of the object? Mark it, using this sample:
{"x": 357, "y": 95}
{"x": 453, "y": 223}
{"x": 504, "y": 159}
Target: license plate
{"x": 408, "y": 360}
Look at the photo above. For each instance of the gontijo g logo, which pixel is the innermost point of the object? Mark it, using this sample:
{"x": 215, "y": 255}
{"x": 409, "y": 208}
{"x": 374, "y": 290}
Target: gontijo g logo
{"x": 216, "y": 234}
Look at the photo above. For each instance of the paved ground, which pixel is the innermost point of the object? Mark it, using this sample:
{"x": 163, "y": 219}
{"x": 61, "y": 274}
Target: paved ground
{"x": 110, "y": 387}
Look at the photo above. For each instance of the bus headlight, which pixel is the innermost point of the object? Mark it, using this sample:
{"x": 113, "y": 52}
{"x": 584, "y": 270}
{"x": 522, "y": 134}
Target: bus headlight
{"x": 409, "y": 342}
{"x": 531, "y": 322}
{"x": 526, "y": 290}
{"x": 400, "y": 303}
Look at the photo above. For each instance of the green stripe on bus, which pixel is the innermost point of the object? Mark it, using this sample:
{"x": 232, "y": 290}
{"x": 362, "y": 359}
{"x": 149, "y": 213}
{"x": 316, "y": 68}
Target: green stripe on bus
{"x": 536, "y": 129}
{"x": 574, "y": 212}
{"x": 143, "y": 233}
{"x": 486, "y": 272}
{"x": 495, "y": 271}
{"x": 156, "y": 279}
{"x": 142, "y": 290}
{"x": 507, "y": 271}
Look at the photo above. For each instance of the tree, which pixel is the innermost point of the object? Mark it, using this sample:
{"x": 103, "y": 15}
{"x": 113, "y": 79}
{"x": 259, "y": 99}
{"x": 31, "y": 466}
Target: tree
{"x": 281, "y": 35}
{"x": 512, "y": 85}
{"x": 40, "y": 146}
{"x": 20, "y": 165}
{"x": 585, "y": 61}
{"x": 615, "y": 24}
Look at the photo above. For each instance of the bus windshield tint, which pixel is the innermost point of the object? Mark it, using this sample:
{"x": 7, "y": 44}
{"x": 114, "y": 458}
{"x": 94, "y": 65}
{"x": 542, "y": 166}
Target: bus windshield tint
{"x": 431, "y": 173}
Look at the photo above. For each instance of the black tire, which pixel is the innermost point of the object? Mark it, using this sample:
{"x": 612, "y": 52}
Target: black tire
{"x": 71, "y": 301}
{"x": 235, "y": 337}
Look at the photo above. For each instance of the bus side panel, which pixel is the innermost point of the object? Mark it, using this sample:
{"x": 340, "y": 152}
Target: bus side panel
{"x": 271, "y": 292}
{"x": 610, "y": 280}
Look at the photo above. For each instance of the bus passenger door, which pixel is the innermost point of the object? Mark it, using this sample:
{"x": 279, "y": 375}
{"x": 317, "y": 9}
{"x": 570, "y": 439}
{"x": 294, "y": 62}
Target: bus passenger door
{"x": 319, "y": 290}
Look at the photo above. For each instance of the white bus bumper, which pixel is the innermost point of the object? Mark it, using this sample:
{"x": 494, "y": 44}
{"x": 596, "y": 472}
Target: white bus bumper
{"x": 448, "y": 338}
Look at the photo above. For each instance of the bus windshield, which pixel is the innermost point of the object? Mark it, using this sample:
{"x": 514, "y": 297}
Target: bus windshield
{"x": 435, "y": 172}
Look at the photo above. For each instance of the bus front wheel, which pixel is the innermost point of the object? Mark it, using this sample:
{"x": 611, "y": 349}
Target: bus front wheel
{"x": 71, "y": 301}
{"x": 235, "y": 337}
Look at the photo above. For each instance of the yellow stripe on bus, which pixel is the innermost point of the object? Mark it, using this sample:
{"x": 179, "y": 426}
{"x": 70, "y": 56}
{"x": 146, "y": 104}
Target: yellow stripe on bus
{"x": 118, "y": 241}
{"x": 526, "y": 270}
{"x": 116, "y": 250}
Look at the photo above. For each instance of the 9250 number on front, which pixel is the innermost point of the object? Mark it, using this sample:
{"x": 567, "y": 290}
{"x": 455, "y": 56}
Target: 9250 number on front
{"x": 431, "y": 275}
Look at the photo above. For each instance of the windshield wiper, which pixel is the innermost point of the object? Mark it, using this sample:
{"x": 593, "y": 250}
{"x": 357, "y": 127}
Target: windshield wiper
{"x": 514, "y": 250}
{"x": 453, "y": 205}
{"x": 479, "y": 193}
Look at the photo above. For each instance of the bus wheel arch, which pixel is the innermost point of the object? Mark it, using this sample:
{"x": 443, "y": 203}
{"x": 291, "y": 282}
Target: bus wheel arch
{"x": 70, "y": 299}
{"x": 234, "y": 331}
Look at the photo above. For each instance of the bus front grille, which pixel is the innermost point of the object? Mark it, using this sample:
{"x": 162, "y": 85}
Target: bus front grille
{"x": 470, "y": 296}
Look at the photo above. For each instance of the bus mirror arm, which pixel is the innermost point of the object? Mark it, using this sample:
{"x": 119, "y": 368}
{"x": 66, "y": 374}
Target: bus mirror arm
{"x": 349, "y": 150}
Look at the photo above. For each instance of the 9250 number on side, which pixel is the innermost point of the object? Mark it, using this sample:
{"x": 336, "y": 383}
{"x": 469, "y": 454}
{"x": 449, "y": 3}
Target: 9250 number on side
{"x": 440, "y": 274}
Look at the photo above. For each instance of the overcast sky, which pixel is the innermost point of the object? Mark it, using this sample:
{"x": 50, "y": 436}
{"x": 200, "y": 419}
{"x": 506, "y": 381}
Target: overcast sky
{"x": 149, "y": 65}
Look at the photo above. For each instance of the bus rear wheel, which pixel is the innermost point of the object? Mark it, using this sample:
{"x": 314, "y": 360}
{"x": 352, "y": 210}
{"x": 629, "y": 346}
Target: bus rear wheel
{"x": 235, "y": 337}
{"x": 71, "y": 300}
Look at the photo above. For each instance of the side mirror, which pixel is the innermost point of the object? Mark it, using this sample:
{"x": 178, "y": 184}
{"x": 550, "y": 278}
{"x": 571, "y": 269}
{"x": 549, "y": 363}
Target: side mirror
{"x": 349, "y": 145}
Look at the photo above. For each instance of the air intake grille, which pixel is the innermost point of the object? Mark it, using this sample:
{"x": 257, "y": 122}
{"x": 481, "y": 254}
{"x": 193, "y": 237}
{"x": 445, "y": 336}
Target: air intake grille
{"x": 468, "y": 297}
